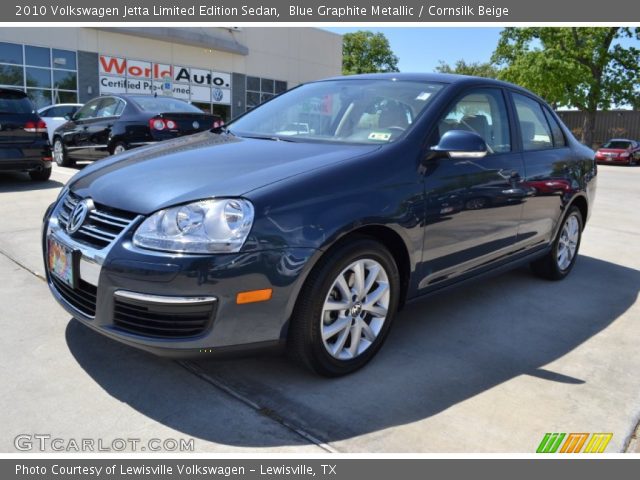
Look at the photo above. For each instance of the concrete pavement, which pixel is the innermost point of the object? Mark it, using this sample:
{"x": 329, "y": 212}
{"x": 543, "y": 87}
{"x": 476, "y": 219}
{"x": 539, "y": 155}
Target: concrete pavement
{"x": 489, "y": 367}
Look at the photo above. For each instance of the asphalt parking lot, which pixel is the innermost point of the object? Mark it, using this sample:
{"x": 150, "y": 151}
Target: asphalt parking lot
{"x": 490, "y": 367}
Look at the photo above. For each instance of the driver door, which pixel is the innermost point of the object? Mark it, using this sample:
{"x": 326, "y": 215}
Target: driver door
{"x": 473, "y": 205}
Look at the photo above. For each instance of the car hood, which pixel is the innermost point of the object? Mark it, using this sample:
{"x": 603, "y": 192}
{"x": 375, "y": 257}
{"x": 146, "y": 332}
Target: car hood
{"x": 201, "y": 166}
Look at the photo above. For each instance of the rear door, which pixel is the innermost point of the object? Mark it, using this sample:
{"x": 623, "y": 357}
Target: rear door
{"x": 473, "y": 205}
{"x": 548, "y": 164}
{"x": 100, "y": 127}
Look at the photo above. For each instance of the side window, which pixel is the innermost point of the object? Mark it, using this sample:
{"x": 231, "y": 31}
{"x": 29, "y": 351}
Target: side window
{"x": 47, "y": 112}
{"x": 482, "y": 111}
{"x": 108, "y": 107}
{"x": 558, "y": 137}
{"x": 120, "y": 107}
{"x": 534, "y": 129}
{"x": 89, "y": 110}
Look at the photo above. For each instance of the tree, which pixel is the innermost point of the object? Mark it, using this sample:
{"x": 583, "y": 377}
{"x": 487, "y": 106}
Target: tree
{"x": 586, "y": 68}
{"x": 478, "y": 69}
{"x": 367, "y": 52}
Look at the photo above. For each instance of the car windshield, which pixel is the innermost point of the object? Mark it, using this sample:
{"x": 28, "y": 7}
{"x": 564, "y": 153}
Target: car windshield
{"x": 343, "y": 111}
{"x": 164, "y": 104}
{"x": 622, "y": 144}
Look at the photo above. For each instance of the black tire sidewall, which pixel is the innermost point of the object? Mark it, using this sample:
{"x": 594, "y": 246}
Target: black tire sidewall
{"x": 325, "y": 363}
{"x": 40, "y": 175}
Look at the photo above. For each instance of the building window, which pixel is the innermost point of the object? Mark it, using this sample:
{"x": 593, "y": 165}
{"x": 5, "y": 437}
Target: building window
{"x": 260, "y": 90}
{"x": 48, "y": 75}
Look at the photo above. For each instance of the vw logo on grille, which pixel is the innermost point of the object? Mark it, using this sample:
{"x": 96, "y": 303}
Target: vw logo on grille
{"x": 79, "y": 214}
{"x": 195, "y": 124}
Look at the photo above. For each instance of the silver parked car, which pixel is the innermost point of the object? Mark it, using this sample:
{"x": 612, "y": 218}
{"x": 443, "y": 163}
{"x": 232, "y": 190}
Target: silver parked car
{"x": 56, "y": 115}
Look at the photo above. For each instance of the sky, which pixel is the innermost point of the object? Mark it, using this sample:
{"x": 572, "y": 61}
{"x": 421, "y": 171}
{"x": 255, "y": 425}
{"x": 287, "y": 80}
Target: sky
{"x": 420, "y": 49}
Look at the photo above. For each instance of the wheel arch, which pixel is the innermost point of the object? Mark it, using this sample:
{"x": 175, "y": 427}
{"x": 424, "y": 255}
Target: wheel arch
{"x": 385, "y": 235}
{"x": 583, "y": 205}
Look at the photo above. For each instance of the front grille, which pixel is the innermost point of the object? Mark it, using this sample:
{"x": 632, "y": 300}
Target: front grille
{"x": 102, "y": 226}
{"x": 82, "y": 298}
{"x": 163, "y": 321}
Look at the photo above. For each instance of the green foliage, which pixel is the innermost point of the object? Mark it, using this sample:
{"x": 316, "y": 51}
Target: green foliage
{"x": 478, "y": 69}
{"x": 367, "y": 52}
{"x": 582, "y": 67}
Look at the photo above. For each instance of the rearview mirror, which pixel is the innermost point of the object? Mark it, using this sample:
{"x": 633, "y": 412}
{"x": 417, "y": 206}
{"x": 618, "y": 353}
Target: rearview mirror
{"x": 461, "y": 144}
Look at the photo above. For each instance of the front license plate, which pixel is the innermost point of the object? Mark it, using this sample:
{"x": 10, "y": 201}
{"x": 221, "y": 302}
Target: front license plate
{"x": 60, "y": 261}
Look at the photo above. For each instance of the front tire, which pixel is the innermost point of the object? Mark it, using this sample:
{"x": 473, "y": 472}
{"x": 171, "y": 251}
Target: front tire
{"x": 345, "y": 309}
{"x": 118, "y": 148}
{"x": 60, "y": 154}
{"x": 559, "y": 262}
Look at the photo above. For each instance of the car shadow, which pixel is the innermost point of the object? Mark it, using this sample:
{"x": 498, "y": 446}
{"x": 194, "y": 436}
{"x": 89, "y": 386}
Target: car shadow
{"x": 21, "y": 182}
{"x": 440, "y": 352}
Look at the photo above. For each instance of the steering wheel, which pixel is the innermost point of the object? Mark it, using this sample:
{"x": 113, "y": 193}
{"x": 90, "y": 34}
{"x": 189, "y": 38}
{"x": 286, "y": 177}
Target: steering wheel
{"x": 396, "y": 127}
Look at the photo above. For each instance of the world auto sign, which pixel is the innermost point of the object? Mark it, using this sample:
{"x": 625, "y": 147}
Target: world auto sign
{"x": 122, "y": 75}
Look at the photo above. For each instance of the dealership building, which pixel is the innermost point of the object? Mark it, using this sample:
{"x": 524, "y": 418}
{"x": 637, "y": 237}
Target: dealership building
{"x": 221, "y": 70}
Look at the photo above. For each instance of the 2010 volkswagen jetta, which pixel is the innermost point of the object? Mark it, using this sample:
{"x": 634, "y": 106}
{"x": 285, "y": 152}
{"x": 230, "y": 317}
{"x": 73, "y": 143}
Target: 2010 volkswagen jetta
{"x": 310, "y": 220}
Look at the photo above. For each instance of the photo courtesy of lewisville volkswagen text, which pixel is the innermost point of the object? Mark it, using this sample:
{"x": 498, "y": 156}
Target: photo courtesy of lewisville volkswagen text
{"x": 318, "y": 238}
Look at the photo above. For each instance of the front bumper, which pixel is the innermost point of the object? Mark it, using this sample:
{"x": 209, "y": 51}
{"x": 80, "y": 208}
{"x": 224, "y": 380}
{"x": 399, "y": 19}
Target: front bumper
{"x": 171, "y": 287}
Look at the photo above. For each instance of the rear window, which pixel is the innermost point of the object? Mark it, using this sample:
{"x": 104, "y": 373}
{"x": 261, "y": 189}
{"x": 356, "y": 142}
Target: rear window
{"x": 14, "y": 102}
{"x": 164, "y": 104}
{"x": 617, "y": 144}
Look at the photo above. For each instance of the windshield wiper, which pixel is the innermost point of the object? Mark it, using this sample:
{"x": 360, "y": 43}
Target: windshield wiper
{"x": 273, "y": 138}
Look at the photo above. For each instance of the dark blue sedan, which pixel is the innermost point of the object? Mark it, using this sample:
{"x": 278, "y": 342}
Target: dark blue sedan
{"x": 311, "y": 220}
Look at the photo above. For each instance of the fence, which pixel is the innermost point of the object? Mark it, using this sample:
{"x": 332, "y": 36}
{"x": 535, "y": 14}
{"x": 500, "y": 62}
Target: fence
{"x": 609, "y": 124}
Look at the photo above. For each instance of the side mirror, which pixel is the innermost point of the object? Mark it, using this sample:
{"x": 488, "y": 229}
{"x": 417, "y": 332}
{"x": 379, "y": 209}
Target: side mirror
{"x": 461, "y": 144}
{"x": 67, "y": 116}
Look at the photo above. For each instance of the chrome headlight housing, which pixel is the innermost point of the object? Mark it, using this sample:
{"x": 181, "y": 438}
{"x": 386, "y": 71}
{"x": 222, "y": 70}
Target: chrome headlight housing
{"x": 206, "y": 226}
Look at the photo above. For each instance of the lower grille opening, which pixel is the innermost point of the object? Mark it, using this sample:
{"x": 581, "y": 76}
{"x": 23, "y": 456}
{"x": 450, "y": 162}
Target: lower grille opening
{"x": 162, "y": 321}
{"x": 82, "y": 298}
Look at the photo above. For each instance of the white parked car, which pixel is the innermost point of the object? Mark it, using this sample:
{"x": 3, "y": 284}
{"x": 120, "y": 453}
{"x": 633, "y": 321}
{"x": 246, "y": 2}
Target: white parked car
{"x": 56, "y": 115}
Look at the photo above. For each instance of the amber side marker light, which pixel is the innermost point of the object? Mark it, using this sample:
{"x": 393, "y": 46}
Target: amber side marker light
{"x": 254, "y": 296}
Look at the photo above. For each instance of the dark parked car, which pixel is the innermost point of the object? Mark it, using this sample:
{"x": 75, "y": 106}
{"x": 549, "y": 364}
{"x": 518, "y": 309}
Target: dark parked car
{"x": 24, "y": 145}
{"x": 111, "y": 124}
{"x": 619, "y": 150}
{"x": 241, "y": 238}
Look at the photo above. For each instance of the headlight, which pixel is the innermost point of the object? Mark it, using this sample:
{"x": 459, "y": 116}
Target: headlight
{"x": 207, "y": 226}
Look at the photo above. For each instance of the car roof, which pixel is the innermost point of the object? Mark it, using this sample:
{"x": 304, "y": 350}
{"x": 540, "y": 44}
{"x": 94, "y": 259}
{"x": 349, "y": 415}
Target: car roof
{"x": 426, "y": 77}
{"x": 61, "y": 105}
{"x": 126, "y": 96}
{"x": 13, "y": 90}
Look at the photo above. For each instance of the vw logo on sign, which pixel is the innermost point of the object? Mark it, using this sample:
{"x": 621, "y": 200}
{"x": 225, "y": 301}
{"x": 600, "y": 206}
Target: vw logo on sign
{"x": 218, "y": 94}
{"x": 79, "y": 214}
{"x": 195, "y": 124}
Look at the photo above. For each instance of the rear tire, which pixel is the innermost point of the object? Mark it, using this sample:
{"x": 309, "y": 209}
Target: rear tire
{"x": 40, "y": 175}
{"x": 559, "y": 262}
{"x": 60, "y": 154}
{"x": 345, "y": 309}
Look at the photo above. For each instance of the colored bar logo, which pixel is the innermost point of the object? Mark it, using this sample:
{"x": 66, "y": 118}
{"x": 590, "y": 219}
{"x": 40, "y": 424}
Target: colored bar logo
{"x": 573, "y": 443}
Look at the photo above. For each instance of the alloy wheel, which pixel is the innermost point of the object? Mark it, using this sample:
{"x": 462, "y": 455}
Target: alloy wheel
{"x": 58, "y": 152}
{"x": 568, "y": 242}
{"x": 355, "y": 309}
